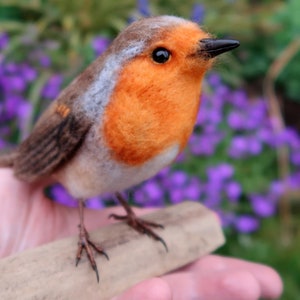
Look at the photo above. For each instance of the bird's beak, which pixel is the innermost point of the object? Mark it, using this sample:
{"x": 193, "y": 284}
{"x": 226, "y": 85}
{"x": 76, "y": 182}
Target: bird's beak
{"x": 210, "y": 48}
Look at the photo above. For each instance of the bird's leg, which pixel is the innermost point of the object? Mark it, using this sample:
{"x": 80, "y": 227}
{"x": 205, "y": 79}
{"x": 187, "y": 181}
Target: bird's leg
{"x": 136, "y": 223}
{"x": 85, "y": 242}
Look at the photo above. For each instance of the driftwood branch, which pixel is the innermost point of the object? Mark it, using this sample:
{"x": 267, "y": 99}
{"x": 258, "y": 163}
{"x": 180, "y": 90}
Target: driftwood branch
{"x": 48, "y": 272}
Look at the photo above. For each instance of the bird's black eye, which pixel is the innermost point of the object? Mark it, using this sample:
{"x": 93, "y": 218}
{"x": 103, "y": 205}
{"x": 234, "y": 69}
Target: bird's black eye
{"x": 161, "y": 55}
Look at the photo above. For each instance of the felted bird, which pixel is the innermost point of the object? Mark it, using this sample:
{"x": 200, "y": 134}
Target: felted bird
{"x": 123, "y": 119}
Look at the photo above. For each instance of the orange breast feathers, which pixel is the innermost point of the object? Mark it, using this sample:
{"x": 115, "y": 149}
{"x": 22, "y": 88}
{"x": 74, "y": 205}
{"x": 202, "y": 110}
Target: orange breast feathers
{"x": 149, "y": 111}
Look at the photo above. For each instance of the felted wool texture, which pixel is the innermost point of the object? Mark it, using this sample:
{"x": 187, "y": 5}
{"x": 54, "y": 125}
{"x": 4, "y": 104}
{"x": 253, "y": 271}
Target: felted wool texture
{"x": 154, "y": 106}
{"x": 99, "y": 173}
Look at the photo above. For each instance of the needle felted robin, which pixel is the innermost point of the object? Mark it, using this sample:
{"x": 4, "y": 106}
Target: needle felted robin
{"x": 127, "y": 116}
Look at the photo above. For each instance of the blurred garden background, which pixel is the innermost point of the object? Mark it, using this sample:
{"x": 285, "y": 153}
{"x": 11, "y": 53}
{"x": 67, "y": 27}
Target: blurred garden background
{"x": 243, "y": 159}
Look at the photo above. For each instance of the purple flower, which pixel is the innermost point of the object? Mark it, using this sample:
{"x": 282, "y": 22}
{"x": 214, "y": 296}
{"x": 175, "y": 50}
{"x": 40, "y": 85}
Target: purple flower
{"x": 233, "y": 190}
{"x": 100, "y": 44}
{"x": 11, "y": 67}
{"x": 2, "y": 144}
{"x": 263, "y": 206}
{"x": 23, "y": 110}
{"x": 154, "y": 192}
{"x": 140, "y": 196}
{"x": 294, "y": 180}
{"x": 176, "y": 184}
{"x": 248, "y": 118}
{"x": 236, "y": 120}
{"x": 52, "y": 87}
{"x": 44, "y": 60}
{"x": 95, "y": 203}
{"x": 256, "y": 114}
{"x": 276, "y": 189}
{"x": 181, "y": 157}
{"x": 226, "y": 170}
{"x": 11, "y": 105}
{"x": 220, "y": 172}
{"x": 239, "y": 99}
{"x": 61, "y": 196}
{"x": 295, "y": 158}
{"x": 213, "y": 116}
{"x": 150, "y": 193}
{"x": 198, "y": 13}
{"x": 266, "y": 135}
{"x": 214, "y": 79}
{"x": 176, "y": 195}
{"x": 143, "y": 8}
{"x": 287, "y": 137}
{"x": 193, "y": 189}
{"x": 14, "y": 82}
{"x": 177, "y": 179}
{"x": 222, "y": 92}
{"x": 3, "y": 40}
{"x": 28, "y": 73}
{"x": 205, "y": 144}
{"x": 254, "y": 145}
{"x": 202, "y": 145}
{"x": 292, "y": 138}
{"x": 238, "y": 147}
{"x": 164, "y": 173}
{"x": 242, "y": 146}
{"x": 227, "y": 218}
{"x": 210, "y": 112}
{"x": 213, "y": 191}
{"x": 4, "y": 130}
{"x": 39, "y": 57}
{"x": 279, "y": 139}
{"x": 246, "y": 224}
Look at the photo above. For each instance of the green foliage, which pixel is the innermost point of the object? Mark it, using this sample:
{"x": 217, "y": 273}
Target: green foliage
{"x": 276, "y": 27}
{"x": 67, "y": 26}
{"x": 274, "y": 247}
{"x": 289, "y": 22}
{"x": 78, "y": 16}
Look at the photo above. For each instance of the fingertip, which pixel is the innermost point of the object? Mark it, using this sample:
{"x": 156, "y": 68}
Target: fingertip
{"x": 240, "y": 285}
{"x": 269, "y": 281}
{"x": 272, "y": 285}
{"x": 278, "y": 290}
{"x": 152, "y": 289}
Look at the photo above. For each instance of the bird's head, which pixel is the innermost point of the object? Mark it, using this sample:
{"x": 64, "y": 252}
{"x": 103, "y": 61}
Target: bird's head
{"x": 160, "y": 58}
{"x": 168, "y": 48}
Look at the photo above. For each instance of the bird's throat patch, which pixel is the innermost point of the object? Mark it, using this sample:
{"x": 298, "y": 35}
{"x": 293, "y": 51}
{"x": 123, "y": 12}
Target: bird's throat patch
{"x": 143, "y": 118}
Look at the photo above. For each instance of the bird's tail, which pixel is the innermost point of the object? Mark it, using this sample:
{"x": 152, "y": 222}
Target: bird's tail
{"x": 7, "y": 160}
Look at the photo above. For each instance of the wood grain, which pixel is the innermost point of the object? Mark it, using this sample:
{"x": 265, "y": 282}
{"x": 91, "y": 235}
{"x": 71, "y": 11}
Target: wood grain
{"x": 49, "y": 272}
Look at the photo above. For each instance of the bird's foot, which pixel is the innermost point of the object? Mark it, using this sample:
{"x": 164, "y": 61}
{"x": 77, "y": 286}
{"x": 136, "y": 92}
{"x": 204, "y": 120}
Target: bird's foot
{"x": 85, "y": 243}
{"x": 138, "y": 224}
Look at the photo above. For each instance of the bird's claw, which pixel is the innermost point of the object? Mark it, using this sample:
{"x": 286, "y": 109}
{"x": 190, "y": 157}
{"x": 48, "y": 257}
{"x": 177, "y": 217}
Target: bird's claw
{"x": 85, "y": 243}
{"x": 142, "y": 226}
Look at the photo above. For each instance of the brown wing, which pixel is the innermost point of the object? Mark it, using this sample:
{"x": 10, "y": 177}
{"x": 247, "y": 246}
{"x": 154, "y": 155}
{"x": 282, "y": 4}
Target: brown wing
{"x": 59, "y": 132}
{"x": 53, "y": 141}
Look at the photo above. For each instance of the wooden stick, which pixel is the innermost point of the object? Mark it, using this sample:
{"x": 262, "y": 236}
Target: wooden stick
{"x": 49, "y": 272}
